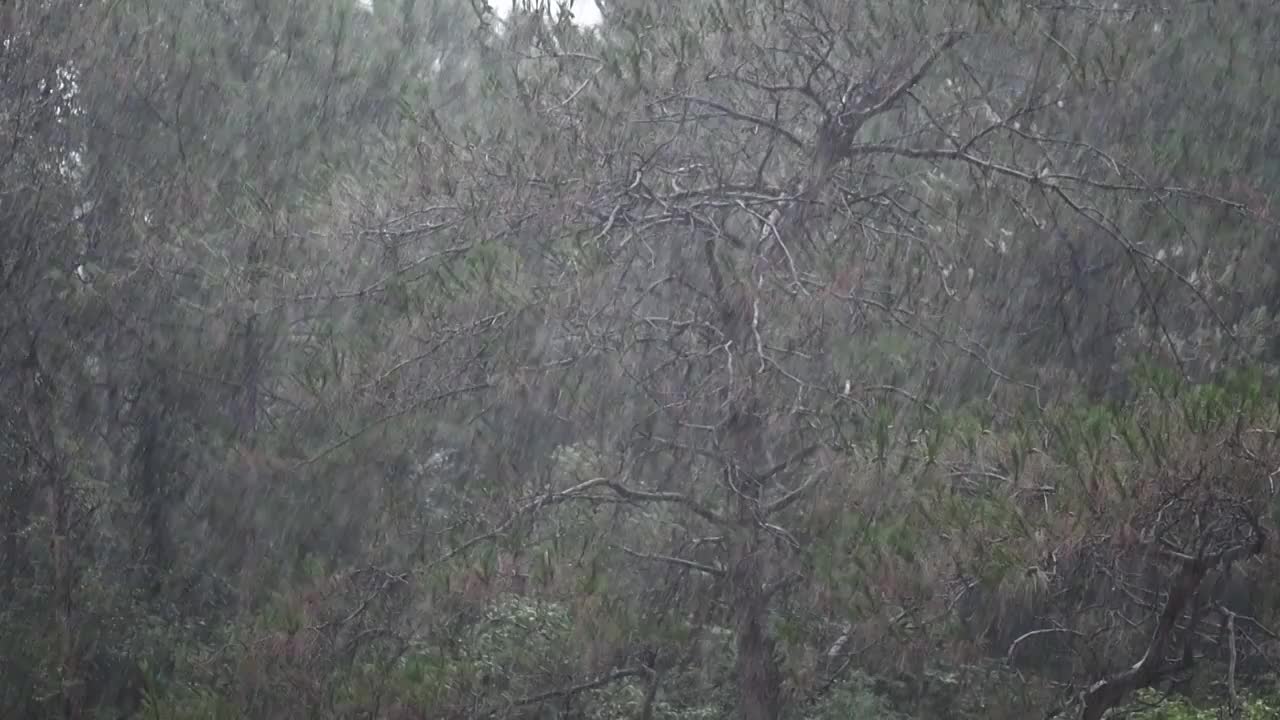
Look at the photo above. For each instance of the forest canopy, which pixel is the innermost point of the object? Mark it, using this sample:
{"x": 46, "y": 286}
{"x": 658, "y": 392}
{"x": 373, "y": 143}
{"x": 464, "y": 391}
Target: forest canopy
{"x": 752, "y": 359}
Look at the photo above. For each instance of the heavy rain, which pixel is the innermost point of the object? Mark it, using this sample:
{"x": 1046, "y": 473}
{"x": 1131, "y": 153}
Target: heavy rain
{"x": 643, "y": 359}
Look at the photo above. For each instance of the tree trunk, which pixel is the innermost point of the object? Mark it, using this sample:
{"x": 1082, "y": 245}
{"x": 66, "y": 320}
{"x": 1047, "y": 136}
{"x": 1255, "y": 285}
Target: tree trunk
{"x": 759, "y": 678}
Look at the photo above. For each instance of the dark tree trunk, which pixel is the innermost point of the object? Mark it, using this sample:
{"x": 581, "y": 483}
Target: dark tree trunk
{"x": 759, "y": 678}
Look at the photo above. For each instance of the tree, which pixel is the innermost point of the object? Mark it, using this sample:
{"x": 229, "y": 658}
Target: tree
{"x": 749, "y": 145}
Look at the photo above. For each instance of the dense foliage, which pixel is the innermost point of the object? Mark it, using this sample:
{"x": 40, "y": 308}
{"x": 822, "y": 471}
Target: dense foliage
{"x": 749, "y": 359}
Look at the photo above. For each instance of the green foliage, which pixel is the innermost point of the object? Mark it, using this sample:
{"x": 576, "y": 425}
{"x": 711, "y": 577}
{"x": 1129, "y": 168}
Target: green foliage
{"x": 1152, "y": 705}
{"x": 398, "y": 359}
{"x": 181, "y": 703}
{"x": 520, "y": 633}
{"x": 855, "y": 697}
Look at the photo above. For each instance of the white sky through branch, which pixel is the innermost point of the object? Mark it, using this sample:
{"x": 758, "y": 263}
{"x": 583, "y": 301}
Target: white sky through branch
{"x": 585, "y": 12}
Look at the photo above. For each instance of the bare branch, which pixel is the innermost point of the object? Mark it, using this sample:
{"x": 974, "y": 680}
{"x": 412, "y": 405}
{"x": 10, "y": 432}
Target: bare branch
{"x": 948, "y": 41}
{"x": 790, "y": 497}
{"x": 667, "y": 497}
{"x": 672, "y": 560}
{"x": 1013, "y": 646}
{"x": 752, "y": 119}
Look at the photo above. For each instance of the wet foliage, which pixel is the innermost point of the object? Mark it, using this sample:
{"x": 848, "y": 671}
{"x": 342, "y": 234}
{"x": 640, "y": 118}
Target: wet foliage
{"x": 749, "y": 359}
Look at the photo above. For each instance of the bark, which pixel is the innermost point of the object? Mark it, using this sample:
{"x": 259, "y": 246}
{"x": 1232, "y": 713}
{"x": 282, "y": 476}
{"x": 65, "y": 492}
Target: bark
{"x": 758, "y": 676}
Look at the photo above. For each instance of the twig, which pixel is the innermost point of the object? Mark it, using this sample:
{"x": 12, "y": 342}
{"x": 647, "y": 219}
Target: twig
{"x": 682, "y": 562}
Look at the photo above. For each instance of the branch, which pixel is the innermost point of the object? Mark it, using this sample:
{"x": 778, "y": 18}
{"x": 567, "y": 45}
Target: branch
{"x": 790, "y": 497}
{"x": 651, "y": 694}
{"x": 570, "y": 493}
{"x": 551, "y": 498}
{"x": 698, "y": 509}
{"x": 411, "y": 407}
{"x": 894, "y": 95}
{"x": 940, "y": 154}
{"x": 1033, "y": 633}
{"x": 682, "y": 562}
{"x": 1051, "y": 182}
{"x": 752, "y": 119}
{"x": 1111, "y": 691}
{"x": 1232, "y": 696}
{"x": 570, "y": 691}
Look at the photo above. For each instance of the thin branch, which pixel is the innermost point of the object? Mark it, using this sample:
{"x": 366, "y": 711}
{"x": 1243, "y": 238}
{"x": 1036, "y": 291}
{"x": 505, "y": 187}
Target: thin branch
{"x": 1033, "y": 633}
{"x": 569, "y": 691}
{"x": 949, "y": 40}
{"x": 667, "y": 497}
{"x": 417, "y": 405}
{"x": 752, "y": 119}
{"x": 672, "y": 560}
{"x": 795, "y": 494}
{"x": 581, "y": 87}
